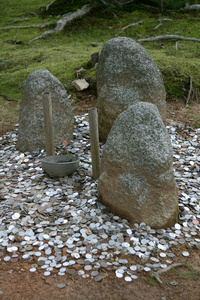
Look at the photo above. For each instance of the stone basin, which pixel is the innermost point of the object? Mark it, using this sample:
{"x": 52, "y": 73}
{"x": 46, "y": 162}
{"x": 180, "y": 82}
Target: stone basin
{"x": 60, "y": 165}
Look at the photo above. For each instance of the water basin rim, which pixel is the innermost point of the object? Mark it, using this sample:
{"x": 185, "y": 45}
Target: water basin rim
{"x": 57, "y": 159}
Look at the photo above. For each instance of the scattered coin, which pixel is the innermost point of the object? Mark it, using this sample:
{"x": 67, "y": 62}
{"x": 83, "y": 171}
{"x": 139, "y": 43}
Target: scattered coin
{"x": 32, "y": 270}
{"x": 98, "y": 278}
{"x": 185, "y": 253}
{"x": 61, "y": 285}
{"x": 37, "y": 221}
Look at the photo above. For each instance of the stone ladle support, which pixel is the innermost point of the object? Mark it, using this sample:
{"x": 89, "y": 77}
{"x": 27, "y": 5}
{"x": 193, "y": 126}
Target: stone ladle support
{"x": 94, "y": 141}
{"x": 48, "y": 124}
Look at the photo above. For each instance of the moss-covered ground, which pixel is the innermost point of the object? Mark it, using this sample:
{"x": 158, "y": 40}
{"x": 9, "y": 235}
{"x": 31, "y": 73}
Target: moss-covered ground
{"x": 67, "y": 51}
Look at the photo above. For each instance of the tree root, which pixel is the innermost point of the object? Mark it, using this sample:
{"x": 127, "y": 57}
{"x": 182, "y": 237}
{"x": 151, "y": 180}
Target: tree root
{"x": 59, "y": 25}
{"x": 160, "y": 22}
{"x": 168, "y": 37}
{"x": 66, "y": 19}
{"x": 42, "y": 25}
{"x": 194, "y": 6}
{"x": 156, "y": 275}
{"x": 20, "y": 20}
{"x": 134, "y": 24}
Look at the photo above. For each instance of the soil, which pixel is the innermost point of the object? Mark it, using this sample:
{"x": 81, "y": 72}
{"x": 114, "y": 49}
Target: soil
{"x": 83, "y": 101}
{"x": 183, "y": 282}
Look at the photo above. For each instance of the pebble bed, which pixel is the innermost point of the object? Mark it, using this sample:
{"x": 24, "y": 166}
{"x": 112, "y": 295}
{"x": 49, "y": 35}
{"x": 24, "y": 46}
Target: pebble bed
{"x": 59, "y": 226}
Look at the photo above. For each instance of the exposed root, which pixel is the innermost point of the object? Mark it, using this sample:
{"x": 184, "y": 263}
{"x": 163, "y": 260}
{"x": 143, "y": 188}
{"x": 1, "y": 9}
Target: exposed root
{"x": 130, "y": 25}
{"x": 66, "y": 19}
{"x": 194, "y": 6}
{"x": 48, "y": 5}
{"x": 20, "y": 20}
{"x": 160, "y": 22}
{"x": 156, "y": 275}
{"x": 42, "y": 25}
{"x": 168, "y": 37}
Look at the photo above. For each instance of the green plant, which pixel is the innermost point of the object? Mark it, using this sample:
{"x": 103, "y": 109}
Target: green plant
{"x": 151, "y": 280}
{"x": 191, "y": 274}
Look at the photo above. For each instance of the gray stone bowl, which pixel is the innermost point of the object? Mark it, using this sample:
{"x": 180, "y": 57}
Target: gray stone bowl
{"x": 60, "y": 165}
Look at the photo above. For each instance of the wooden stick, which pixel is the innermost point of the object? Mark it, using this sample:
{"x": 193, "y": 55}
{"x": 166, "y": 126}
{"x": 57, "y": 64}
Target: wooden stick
{"x": 190, "y": 90}
{"x": 48, "y": 124}
{"x": 94, "y": 141}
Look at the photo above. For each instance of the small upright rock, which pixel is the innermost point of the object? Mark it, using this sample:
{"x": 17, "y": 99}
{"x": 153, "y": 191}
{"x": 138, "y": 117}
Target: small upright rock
{"x": 125, "y": 75}
{"x": 137, "y": 176}
{"x": 31, "y": 128}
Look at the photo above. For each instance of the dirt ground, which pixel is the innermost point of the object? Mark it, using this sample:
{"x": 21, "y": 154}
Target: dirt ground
{"x": 81, "y": 102}
{"x": 183, "y": 282}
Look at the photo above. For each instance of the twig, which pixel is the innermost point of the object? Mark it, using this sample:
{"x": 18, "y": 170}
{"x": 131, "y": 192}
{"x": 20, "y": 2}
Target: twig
{"x": 66, "y": 19}
{"x": 168, "y": 37}
{"x": 160, "y": 22}
{"x": 7, "y": 98}
{"x": 190, "y": 90}
{"x": 176, "y": 46}
{"x": 134, "y": 24}
{"x": 156, "y": 275}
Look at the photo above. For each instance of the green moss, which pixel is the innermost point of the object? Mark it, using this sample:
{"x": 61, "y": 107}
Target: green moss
{"x": 190, "y": 274}
{"x": 67, "y": 51}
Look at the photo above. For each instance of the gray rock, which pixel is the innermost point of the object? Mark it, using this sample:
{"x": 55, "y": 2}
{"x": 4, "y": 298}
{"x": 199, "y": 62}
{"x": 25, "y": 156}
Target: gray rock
{"x": 126, "y": 74}
{"x": 137, "y": 176}
{"x": 31, "y": 127}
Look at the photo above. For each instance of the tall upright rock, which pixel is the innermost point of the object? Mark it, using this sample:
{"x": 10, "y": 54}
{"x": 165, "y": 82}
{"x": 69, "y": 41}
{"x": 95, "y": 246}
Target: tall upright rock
{"x": 31, "y": 124}
{"x": 137, "y": 177}
{"x": 126, "y": 74}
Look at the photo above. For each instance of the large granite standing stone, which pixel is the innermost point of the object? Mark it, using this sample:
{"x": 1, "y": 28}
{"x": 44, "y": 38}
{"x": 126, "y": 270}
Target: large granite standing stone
{"x": 137, "y": 177}
{"x": 125, "y": 75}
{"x": 31, "y": 124}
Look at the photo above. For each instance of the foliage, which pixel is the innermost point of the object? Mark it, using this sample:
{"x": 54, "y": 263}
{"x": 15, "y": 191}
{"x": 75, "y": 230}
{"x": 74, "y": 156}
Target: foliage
{"x": 64, "y": 53}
